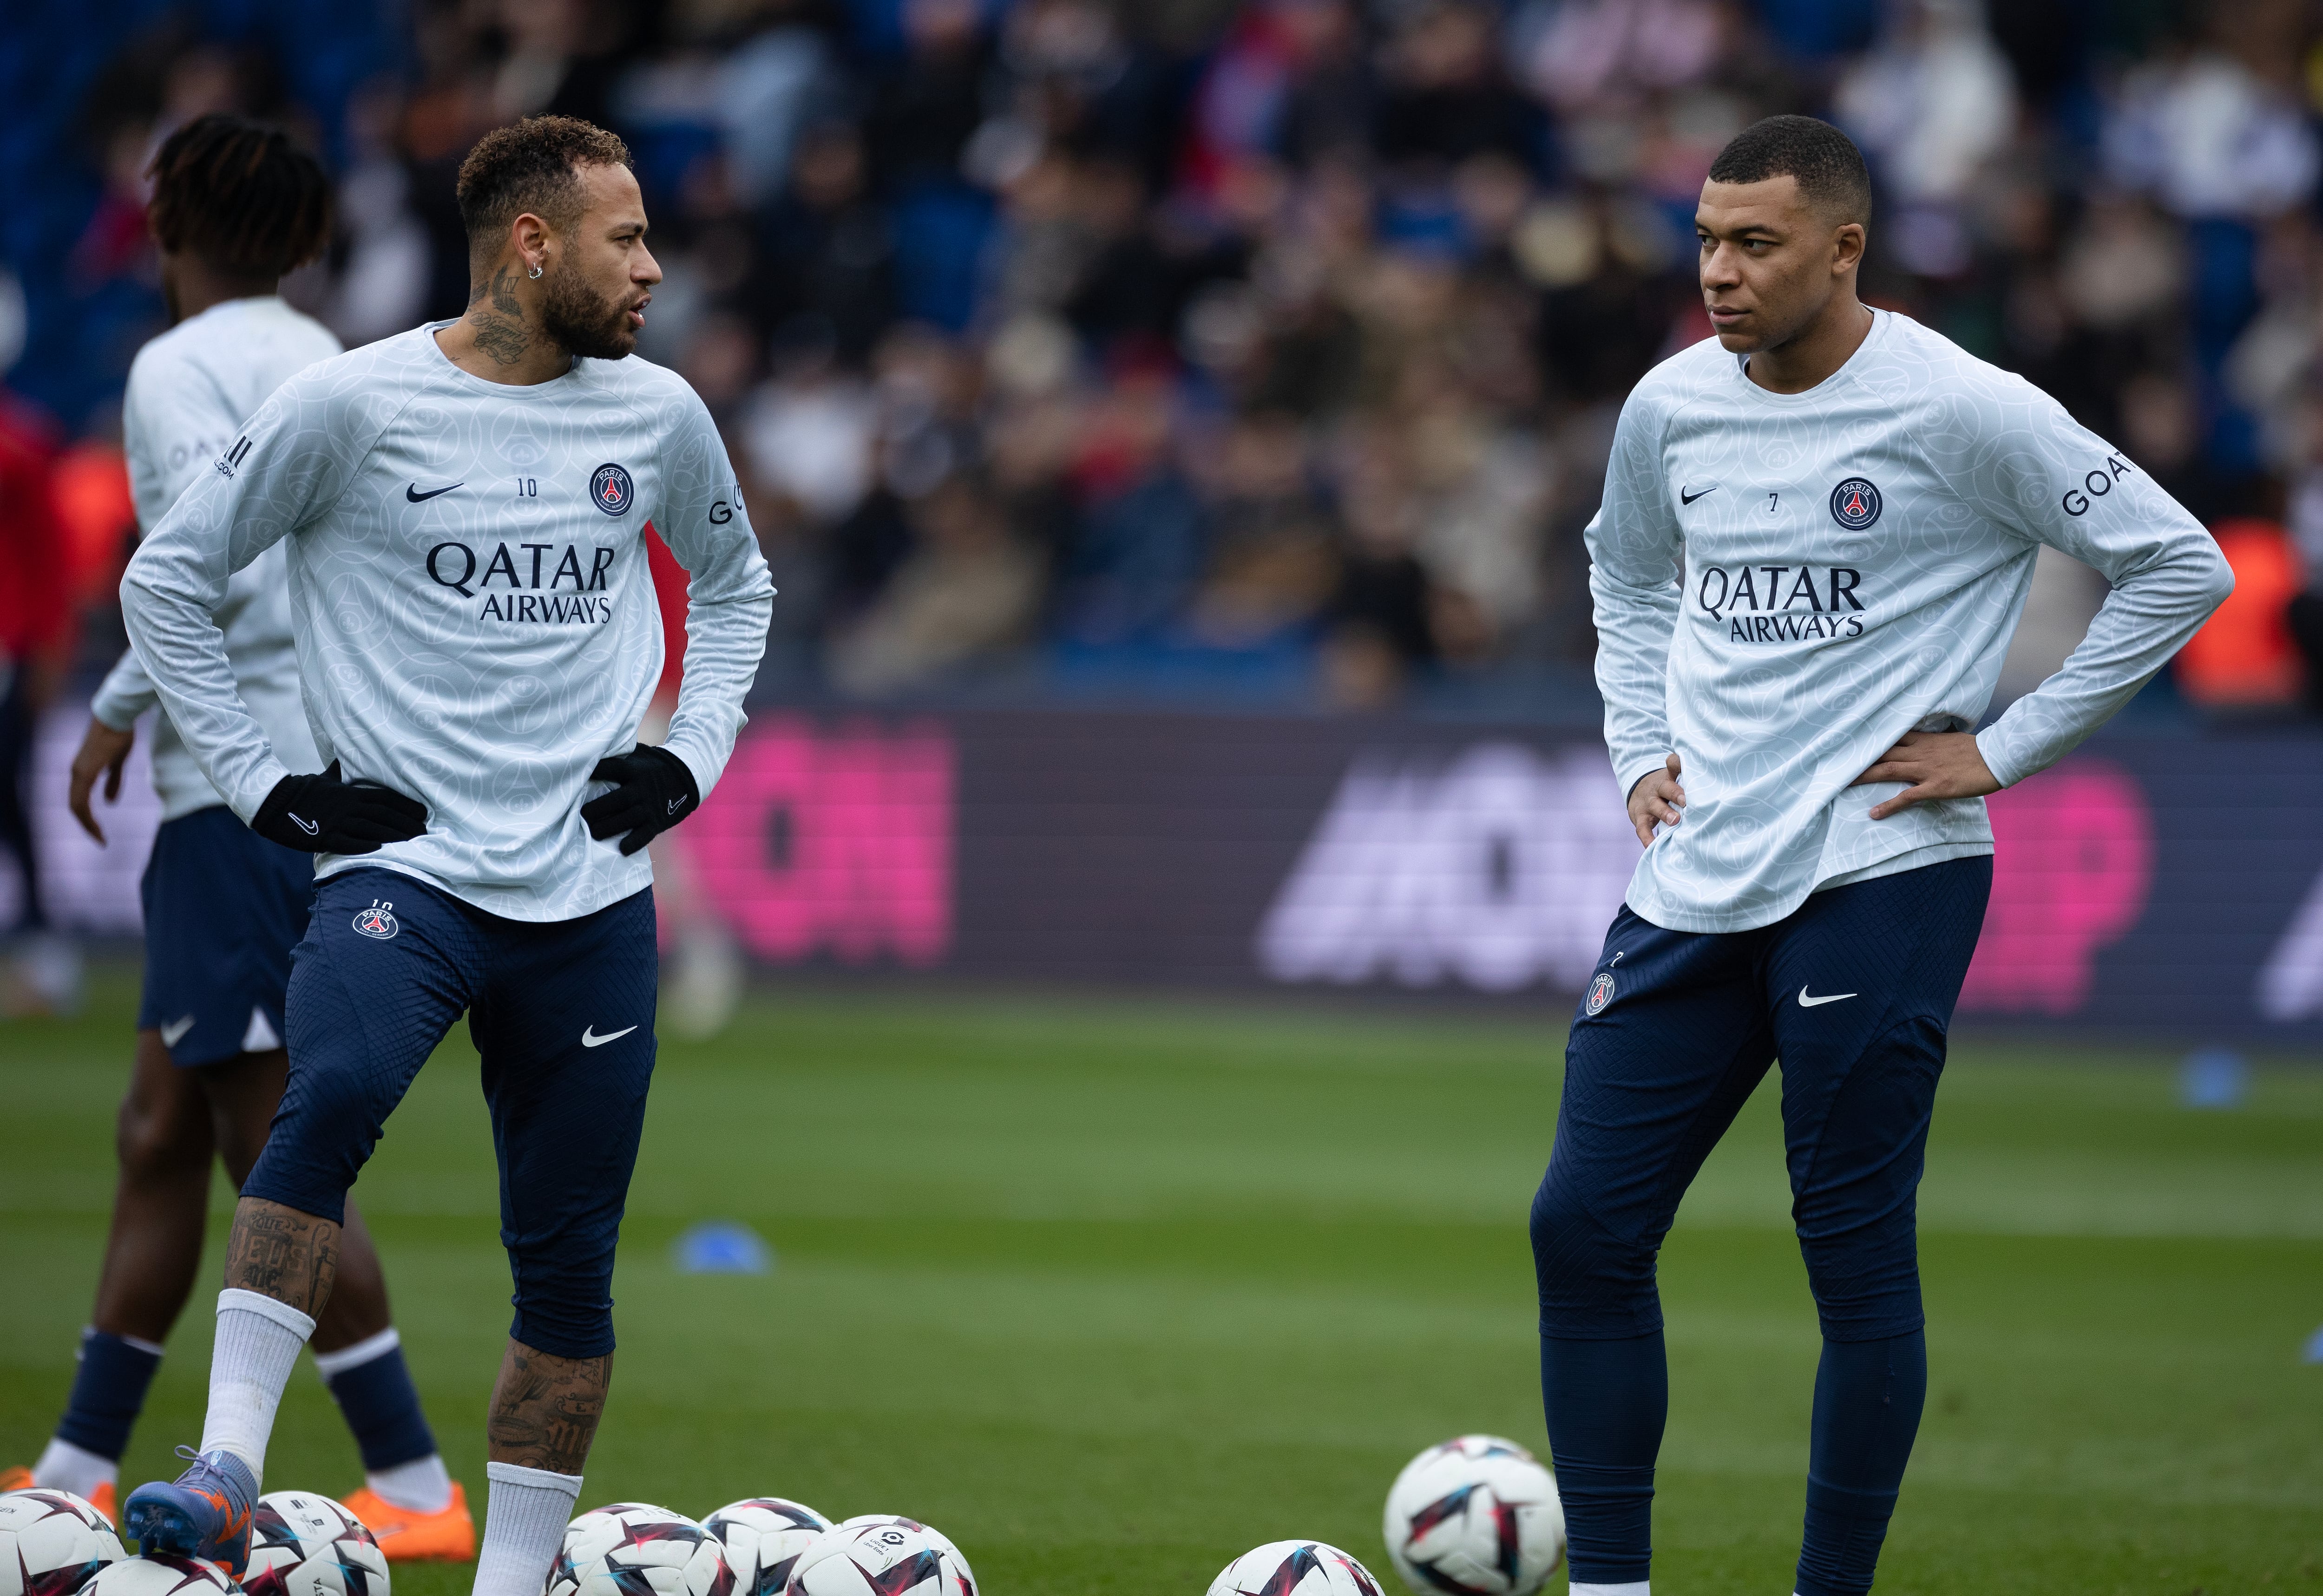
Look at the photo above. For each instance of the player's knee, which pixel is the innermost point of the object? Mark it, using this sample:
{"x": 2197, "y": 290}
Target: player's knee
{"x": 564, "y": 1304}
{"x": 321, "y": 1139}
{"x": 1591, "y": 1282}
{"x": 330, "y": 1102}
{"x": 1866, "y": 1285}
{"x": 153, "y": 1138}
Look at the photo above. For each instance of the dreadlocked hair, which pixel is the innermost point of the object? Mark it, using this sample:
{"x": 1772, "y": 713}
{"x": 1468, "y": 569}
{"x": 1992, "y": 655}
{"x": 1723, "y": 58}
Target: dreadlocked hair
{"x": 240, "y": 196}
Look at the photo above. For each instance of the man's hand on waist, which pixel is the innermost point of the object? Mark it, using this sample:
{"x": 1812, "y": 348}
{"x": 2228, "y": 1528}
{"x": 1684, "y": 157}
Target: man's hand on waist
{"x": 654, "y": 790}
{"x": 323, "y": 814}
{"x": 1657, "y": 800}
{"x": 101, "y": 751}
{"x": 1936, "y": 764}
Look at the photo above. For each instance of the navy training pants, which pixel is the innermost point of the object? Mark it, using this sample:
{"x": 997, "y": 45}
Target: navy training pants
{"x": 1854, "y": 992}
{"x": 562, "y": 1014}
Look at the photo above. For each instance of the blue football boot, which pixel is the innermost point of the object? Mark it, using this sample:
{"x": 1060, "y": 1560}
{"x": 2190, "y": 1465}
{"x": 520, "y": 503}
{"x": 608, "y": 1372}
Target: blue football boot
{"x": 205, "y": 1513}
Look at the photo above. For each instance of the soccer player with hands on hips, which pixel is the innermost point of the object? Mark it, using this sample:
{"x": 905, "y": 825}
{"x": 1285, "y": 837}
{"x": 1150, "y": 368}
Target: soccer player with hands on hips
{"x": 1816, "y": 538}
{"x": 236, "y": 204}
{"x": 462, "y": 510}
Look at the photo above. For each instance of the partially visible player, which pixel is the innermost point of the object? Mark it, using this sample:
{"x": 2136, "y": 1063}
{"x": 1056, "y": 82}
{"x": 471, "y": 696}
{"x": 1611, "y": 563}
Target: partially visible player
{"x": 1817, "y": 534}
{"x": 236, "y": 204}
{"x": 462, "y": 510}
{"x": 705, "y": 977}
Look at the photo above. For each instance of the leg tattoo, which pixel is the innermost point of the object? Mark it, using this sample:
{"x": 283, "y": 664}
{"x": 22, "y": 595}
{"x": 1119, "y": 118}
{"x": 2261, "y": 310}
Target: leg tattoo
{"x": 282, "y": 1253}
{"x": 545, "y": 1408}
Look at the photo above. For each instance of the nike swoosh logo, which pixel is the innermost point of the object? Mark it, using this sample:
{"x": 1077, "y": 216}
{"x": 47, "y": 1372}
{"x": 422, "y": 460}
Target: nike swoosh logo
{"x": 1809, "y": 1003}
{"x": 675, "y": 804}
{"x": 171, "y": 1035}
{"x": 417, "y": 497}
{"x": 590, "y": 1039}
{"x": 309, "y": 827}
{"x": 1686, "y": 498}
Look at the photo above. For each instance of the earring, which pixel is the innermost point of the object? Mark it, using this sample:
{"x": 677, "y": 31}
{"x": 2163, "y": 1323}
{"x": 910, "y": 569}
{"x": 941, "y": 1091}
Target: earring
{"x": 535, "y": 273}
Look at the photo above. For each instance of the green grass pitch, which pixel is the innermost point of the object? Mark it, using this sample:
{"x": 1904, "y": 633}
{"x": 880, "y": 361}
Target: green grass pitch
{"x": 1112, "y": 1290}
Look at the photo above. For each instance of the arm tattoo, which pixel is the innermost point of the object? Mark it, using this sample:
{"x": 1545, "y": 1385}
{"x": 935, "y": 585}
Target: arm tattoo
{"x": 545, "y": 1408}
{"x": 282, "y": 1253}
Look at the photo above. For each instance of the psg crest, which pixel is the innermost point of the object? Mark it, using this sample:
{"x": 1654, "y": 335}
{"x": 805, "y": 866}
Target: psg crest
{"x": 1600, "y": 992}
{"x": 610, "y": 491}
{"x": 377, "y": 922}
{"x": 1855, "y": 504}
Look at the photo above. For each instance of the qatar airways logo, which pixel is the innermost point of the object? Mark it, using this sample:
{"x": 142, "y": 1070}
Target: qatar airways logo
{"x": 538, "y": 584}
{"x": 1781, "y": 603}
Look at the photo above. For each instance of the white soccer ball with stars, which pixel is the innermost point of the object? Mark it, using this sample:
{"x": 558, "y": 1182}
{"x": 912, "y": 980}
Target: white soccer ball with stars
{"x": 763, "y": 1537}
{"x": 302, "y": 1544}
{"x": 636, "y": 1549}
{"x": 52, "y": 1542}
{"x": 1295, "y": 1568}
{"x": 881, "y": 1554}
{"x": 1476, "y": 1515}
{"x": 159, "y": 1575}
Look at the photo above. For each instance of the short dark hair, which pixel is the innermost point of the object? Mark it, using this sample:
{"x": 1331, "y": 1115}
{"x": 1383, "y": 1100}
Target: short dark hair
{"x": 1829, "y": 166}
{"x": 240, "y": 196}
{"x": 532, "y": 165}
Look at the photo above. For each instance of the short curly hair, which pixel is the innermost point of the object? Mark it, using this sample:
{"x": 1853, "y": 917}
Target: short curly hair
{"x": 240, "y": 196}
{"x": 532, "y": 165}
{"x": 1829, "y": 169}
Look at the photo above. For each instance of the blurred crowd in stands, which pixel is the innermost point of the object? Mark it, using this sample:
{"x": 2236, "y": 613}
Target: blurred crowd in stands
{"x": 1239, "y": 351}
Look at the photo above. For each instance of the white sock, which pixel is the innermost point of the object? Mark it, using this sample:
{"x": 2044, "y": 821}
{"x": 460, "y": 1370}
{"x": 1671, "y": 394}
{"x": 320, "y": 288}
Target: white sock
{"x": 1631, "y": 1587}
{"x": 330, "y": 1366}
{"x": 67, "y": 1467}
{"x": 526, "y": 1511}
{"x": 423, "y": 1485}
{"x": 258, "y": 1342}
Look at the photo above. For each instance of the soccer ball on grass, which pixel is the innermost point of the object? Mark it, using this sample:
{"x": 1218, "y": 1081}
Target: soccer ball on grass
{"x": 763, "y": 1537}
{"x": 1477, "y": 1516}
{"x": 52, "y": 1542}
{"x": 636, "y": 1549}
{"x": 302, "y": 1544}
{"x": 1295, "y": 1568}
{"x": 880, "y": 1554}
{"x": 159, "y": 1575}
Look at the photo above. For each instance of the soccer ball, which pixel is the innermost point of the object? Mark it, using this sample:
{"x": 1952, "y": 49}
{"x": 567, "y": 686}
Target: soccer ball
{"x": 762, "y": 1536}
{"x": 929, "y": 1530}
{"x": 880, "y": 1554}
{"x": 159, "y": 1575}
{"x": 635, "y": 1549}
{"x": 306, "y": 1545}
{"x": 1476, "y": 1516}
{"x": 1295, "y": 1568}
{"x": 52, "y": 1542}
{"x": 943, "y": 1542}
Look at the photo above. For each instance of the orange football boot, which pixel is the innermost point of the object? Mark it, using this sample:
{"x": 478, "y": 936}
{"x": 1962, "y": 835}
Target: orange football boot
{"x": 104, "y": 1500}
{"x": 405, "y": 1537}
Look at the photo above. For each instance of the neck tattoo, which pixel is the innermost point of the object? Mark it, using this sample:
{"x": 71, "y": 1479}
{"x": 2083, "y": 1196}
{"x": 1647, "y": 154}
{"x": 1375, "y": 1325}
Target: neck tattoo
{"x": 501, "y": 331}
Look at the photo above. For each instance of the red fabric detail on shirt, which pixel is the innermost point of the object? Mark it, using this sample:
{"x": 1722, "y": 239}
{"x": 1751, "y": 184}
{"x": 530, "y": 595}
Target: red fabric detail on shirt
{"x": 669, "y": 580}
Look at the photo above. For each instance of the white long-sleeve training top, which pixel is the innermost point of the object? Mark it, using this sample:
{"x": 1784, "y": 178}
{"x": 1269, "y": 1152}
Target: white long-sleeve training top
{"x": 1787, "y": 583}
{"x": 189, "y": 391}
{"x": 475, "y": 614}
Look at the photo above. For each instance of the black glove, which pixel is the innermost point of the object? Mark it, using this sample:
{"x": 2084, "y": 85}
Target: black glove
{"x": 657, "y": 791}
{"x": 323, "y": 814}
